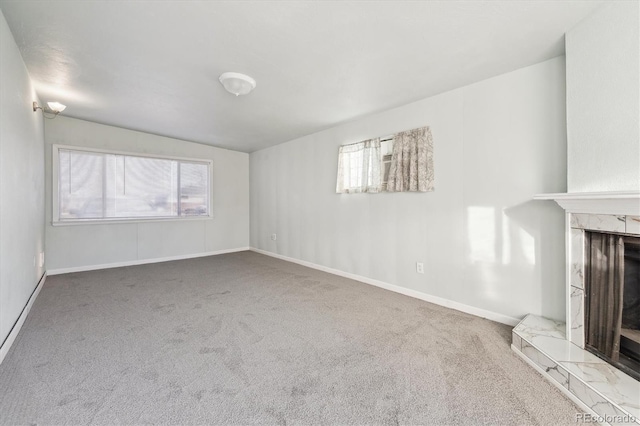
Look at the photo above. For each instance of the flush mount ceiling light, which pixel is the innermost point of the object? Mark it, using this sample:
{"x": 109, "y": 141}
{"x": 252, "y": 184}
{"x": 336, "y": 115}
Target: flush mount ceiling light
{"x": 236, "y": 83}
{"x": 54, "y": 108}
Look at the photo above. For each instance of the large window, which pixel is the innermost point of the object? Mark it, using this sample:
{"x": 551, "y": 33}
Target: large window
{"x": 93, "y": 185}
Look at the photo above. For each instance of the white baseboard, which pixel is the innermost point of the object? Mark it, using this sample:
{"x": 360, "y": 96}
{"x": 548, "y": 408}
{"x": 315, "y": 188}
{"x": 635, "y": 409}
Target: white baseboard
{"x": 493, "y": 316}
{"x": 141, "y": 261}
{"x": 6, "y": 345}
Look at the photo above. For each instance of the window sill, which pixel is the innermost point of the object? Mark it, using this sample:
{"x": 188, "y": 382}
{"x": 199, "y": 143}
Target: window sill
{"x": 128, "y": 220}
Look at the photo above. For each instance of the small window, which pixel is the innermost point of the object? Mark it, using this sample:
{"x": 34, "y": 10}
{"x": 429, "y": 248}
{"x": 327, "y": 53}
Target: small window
{"x": 94, "y": 185}
{"x": 402, "y": 162}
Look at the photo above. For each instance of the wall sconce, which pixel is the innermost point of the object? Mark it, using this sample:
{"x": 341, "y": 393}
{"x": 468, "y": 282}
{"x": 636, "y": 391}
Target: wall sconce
{"x": 54, "y": 108}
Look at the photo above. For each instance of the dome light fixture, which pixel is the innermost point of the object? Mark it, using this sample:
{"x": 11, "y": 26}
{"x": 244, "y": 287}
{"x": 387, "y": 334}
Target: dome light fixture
{"x": 236, "y": 83}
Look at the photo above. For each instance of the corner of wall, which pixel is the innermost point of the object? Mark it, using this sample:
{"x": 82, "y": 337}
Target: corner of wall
{"x": 21, "y": 184}
{"x": 603, "y": 100}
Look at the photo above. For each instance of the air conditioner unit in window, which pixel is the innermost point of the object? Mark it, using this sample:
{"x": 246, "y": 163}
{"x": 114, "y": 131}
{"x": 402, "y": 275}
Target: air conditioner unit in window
{"x": 386, "y": 166}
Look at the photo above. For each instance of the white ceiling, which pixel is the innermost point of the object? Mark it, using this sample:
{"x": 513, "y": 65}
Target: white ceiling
{"x": 154, "y": 65}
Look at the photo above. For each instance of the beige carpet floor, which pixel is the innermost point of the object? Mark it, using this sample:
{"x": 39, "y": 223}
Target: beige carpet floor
{"x": 247, "y": 339}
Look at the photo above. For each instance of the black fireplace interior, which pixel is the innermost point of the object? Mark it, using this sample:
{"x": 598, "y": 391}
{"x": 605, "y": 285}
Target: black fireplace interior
{"x": 630, "y": 333}
{"x": 612, "y": 299}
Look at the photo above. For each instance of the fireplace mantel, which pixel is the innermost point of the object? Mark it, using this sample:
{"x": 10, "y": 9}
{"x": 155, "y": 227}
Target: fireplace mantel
{"x": 624, "y": 203}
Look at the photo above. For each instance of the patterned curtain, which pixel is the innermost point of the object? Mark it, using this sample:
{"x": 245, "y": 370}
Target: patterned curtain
{"x": 412, "y": 161}
{"x": 359, "y": 167}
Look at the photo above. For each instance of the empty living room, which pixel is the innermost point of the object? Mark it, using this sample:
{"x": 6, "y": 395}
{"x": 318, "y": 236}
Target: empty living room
{"x": 320, "y": 212}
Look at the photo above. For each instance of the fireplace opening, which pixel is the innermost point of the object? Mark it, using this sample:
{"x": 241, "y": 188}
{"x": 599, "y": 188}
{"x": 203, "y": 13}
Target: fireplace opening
{"x": 612, "y": 299}
{"x": 630, "y": 328}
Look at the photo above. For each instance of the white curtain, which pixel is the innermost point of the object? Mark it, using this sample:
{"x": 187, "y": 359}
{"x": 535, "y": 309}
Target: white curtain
{"x": 359, "y": 167}
{"x": 412, "y": 161}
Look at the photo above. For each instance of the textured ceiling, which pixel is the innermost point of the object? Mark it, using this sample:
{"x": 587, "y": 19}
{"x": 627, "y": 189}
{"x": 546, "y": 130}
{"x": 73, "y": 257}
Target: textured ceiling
{"x": 154, "y": 65}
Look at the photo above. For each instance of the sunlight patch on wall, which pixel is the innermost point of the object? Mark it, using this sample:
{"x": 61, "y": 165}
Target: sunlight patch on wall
{"x": 481, "y": 234}
{"x": 527, "y": 245}
{"x": 506, "y": 240}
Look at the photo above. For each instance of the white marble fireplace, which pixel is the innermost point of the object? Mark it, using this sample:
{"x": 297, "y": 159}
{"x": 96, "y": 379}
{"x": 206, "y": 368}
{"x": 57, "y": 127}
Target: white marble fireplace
{"x": 557, "y": 349}
{"x": 579, "y": 223}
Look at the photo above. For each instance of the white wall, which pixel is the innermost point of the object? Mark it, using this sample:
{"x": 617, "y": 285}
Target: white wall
{"x": 603, "y": 100}
{"x": 21, "y": 184}
{"x": 483, "y": 241}
{"x": 79, "y": 246}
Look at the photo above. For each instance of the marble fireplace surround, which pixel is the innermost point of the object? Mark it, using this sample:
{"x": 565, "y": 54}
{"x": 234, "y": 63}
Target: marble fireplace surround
{"x": 556, "y": 349}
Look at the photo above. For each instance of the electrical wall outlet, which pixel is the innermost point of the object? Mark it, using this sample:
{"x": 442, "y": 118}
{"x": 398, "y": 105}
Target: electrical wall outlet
{"x": 420, "y": 267}
{"x": 41, "y": 259}
{"x": 274, "y": 237}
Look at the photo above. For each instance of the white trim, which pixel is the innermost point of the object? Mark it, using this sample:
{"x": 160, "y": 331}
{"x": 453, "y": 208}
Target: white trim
{"x": 132, "y": 154}
{"x": 55, "y": 183}
{"x": 564, "y": 390}
{"x": 625, "y": 203}
{"x": 568, "y": 266}
{"x": 142, "y": 261}
{"x": 493, "y": 316}
{"x": 129, "y": 220}
{"x": 13, "y": 334}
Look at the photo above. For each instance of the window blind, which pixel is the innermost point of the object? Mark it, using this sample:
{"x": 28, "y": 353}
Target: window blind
{"x": 93, "y": 185}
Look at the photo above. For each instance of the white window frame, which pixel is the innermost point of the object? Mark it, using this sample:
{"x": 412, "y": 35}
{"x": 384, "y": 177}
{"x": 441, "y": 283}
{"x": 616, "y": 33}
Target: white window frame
{"x": 55, "y": 196}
